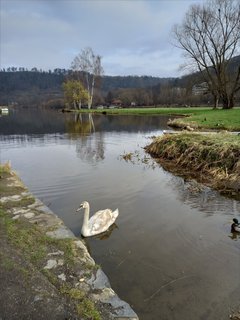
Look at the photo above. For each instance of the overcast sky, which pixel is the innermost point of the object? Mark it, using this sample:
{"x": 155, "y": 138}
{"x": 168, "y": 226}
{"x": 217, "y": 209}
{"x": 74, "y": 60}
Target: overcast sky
{"x": 132, "y": 36}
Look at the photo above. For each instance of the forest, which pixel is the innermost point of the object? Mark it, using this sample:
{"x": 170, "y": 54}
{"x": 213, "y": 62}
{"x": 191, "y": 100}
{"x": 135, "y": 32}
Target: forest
{"x": 38, "y": 88}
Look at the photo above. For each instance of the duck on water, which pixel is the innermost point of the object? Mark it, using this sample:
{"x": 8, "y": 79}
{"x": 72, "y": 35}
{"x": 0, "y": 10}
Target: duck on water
{"x": 235, "y": 227}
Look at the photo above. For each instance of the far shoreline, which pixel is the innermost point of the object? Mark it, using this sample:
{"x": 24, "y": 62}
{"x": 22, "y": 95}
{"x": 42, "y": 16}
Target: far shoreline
{"x": 199, "y": 118}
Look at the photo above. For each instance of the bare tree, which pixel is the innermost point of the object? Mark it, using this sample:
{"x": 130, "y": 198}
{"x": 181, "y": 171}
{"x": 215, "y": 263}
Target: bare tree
{"x": 89, "y": 65}
{"x": 210, "y": 37}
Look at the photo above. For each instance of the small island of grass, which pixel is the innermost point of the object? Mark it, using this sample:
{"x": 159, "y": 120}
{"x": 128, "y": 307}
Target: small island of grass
{"x": 213, "y": 159}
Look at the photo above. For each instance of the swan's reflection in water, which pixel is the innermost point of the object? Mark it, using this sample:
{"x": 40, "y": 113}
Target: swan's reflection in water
{"x": 102, "y": 236}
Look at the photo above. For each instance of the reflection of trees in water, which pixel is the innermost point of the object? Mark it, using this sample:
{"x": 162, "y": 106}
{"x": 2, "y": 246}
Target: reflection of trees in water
{"x": 32, "y": 121}
{"x": 89, "y": 144}
{"x": 91, "y": 148}
{"x": 204, "y": 198}
{"x": 80, "y": 124}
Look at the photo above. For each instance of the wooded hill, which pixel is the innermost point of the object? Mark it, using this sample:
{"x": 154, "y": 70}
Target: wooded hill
{"x": 38, "y": 88}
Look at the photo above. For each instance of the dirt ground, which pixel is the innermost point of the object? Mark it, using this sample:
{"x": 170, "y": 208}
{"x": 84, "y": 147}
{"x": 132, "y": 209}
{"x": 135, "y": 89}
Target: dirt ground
{"x": 25, "y": 292}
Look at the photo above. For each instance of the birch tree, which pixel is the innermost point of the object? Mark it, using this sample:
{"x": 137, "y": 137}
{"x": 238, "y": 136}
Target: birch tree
{"x": 210, "y": 37}
{"x": 74, "y": 93}
{"x": 89, "y": 66}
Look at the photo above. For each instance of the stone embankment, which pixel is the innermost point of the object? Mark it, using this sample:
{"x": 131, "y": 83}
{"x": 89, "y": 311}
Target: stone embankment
{"x": 47, "y": 272}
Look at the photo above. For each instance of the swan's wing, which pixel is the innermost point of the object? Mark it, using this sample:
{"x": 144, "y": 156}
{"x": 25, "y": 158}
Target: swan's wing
{"x": 101, "y": 221}
{"x": 115, "y": 214}
{"x": 237, "y": 229}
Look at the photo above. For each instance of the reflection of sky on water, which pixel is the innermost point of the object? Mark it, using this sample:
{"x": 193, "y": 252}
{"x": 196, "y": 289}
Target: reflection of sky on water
{"x": 168, "y": 229}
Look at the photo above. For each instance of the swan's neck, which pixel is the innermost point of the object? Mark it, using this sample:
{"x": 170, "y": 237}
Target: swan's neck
{"x": 86, "y": 218}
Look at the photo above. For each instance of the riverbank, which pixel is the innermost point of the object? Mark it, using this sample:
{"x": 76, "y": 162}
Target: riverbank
{"x": 196, "y": 117}
{"x": 210, "y": 119}
{"x": 182, "y": 111}
{"x": 44, "y": 269}
{"x": 212, "y": 159}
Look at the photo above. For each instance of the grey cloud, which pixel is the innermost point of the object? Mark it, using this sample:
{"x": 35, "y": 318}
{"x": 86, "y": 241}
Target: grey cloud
{"x": 131, "y": 36}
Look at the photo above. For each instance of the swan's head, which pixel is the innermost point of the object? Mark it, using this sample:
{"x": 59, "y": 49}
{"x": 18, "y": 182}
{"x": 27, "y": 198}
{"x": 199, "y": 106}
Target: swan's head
{"x": 83, "y": 205}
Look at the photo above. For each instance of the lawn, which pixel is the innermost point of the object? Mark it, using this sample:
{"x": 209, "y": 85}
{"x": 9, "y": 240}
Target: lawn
{"x": 216, "y": 119}
{"x": 149, "y": 110}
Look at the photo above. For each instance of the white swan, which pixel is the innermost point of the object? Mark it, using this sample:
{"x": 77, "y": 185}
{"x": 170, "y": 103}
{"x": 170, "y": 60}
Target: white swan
{"x": 99, "y": 222}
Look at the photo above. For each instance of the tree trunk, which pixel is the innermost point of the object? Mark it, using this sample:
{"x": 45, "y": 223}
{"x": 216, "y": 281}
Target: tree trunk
{"x": 90, "y": 100}
{"x": 228, "y": 101}
{"x": 231, "y": 102}
{"x": 216, "y": 102}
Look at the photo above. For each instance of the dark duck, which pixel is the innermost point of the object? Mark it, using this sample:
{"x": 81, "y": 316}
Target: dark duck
{"x": 235, "y": 227}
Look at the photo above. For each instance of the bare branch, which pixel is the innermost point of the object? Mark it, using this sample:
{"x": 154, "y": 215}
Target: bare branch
{"x": 90, "y": 67}
{"x": 210, "y": 36}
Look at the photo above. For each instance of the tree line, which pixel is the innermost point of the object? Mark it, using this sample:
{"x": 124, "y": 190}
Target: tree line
{"x": 34, "y": 88}
{"x": 34, "y": 69}
{"x": 46, "y": 89}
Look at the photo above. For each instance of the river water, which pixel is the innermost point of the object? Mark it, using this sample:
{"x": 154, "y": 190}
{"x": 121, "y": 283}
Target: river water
{"x": 171, "y": 254}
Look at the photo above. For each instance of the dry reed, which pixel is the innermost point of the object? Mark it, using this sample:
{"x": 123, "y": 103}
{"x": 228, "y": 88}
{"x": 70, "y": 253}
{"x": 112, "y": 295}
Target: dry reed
{"x": 216, "y": 157}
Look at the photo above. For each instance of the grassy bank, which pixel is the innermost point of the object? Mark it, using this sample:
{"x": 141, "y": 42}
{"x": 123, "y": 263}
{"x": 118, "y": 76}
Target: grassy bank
{"x": 211, "y": 119}
{"x": 148, "y": 110}
{"x": 213, "y": 159}
{"x": 201, "y": 117}
{"x": 25, "y": 252}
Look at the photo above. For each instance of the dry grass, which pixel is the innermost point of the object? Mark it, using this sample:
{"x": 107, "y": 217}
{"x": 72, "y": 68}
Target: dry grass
{"x": 214, "y": 156}
{"x": 5, "y": 167}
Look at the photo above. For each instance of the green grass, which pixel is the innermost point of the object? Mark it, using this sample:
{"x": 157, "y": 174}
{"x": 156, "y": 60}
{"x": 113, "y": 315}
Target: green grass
{"x": 33, "y": 244}
{"x": 148, "y": 110}
{"x": 87, "y": 309}
{"x": 215, "y": 119}
{"x": 26, "y": 238}
{"x": 84, "y": 306}
{"x": 203, "y": 117}
{"x": 6, "y": 262}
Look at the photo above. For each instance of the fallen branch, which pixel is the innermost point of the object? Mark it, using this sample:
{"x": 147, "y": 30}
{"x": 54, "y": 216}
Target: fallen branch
{"x": 165, "y": 285}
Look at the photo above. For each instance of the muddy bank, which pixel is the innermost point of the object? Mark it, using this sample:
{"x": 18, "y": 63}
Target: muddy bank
{"x": 45, "y": 270}
{"x": 212, "y": 159}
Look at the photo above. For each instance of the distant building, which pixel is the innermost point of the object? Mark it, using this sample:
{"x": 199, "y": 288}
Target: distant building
{"x": 117, "y": 102}
{"x": 199, "y": 89}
